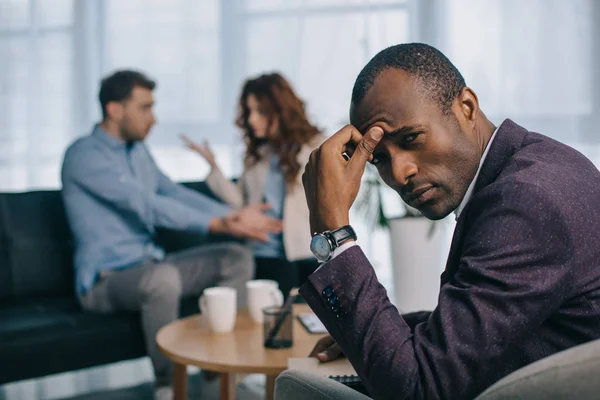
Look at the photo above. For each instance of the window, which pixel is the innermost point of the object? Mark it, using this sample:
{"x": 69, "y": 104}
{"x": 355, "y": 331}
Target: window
{"x": 321, "y": 46}
{"x": 530, "y": 60}
{"x": 177, "y": 43}
{"x": 36, "y": 90}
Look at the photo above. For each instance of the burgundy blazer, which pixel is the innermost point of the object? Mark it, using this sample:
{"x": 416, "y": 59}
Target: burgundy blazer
{"x": 522, "y": 281}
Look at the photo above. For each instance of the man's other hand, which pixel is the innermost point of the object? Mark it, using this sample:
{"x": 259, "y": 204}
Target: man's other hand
{"x": 326, "y": 350}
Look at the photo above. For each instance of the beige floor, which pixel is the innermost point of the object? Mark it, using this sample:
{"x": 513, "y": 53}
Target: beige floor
{"x": 121, "y": 381}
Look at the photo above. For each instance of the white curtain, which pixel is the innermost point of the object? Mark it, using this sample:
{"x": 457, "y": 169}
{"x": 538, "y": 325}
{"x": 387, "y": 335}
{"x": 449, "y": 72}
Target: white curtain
{"x": 531, "y": 61}
{"x": 36, "y": 90}
{"x": 54, "y": 53}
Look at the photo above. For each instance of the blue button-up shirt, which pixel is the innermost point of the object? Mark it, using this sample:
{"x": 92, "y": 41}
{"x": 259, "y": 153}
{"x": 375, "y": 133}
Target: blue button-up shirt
{"x": 114, "y": 197}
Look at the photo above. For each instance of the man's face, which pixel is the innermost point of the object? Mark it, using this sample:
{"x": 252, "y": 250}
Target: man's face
{"x": 137, "y": 115}
{"x": 428, "y": 157}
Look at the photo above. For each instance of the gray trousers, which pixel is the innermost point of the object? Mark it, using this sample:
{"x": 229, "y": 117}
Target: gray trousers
{"x": 154, "y": 289}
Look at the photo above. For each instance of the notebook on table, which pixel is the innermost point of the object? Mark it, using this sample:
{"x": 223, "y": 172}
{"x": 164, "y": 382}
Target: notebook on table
{"x": 339, "y": 370}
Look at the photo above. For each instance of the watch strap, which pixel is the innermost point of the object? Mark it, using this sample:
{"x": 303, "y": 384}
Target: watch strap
{"x": 342, "y": 235}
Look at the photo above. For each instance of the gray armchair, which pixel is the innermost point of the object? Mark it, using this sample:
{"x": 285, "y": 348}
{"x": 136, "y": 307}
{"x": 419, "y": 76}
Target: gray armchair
{"x": 570, "y": 374}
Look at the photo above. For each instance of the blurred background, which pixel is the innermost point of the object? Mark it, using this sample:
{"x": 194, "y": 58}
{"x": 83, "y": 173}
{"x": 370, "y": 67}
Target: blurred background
{"x": 528, "y": 60}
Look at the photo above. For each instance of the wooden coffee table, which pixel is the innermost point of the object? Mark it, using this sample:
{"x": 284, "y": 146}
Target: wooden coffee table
{"x": 188, "y": 341}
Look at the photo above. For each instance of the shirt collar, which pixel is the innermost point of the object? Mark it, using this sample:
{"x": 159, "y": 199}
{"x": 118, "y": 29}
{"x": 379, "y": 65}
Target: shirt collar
{"x": 100, "y": 134}
{"x": 471, "y": 187}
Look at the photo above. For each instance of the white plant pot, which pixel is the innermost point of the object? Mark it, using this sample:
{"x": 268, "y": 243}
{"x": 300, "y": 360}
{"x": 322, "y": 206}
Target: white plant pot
{"x": 418, "y": 261}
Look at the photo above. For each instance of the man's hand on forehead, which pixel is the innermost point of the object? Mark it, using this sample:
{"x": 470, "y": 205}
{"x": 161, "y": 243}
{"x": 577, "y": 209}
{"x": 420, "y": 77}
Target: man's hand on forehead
{"x": 333, "y": 174}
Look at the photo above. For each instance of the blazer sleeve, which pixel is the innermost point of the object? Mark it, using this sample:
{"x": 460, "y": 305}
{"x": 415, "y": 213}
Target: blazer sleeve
{"x": 414, "y": 318}
{"x": 514, "y": 273}
{"x": 228, "y": 191}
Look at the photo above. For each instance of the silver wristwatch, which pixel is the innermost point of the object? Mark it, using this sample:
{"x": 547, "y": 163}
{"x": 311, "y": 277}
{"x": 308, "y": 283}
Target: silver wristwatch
{"x": 323, "y": 244}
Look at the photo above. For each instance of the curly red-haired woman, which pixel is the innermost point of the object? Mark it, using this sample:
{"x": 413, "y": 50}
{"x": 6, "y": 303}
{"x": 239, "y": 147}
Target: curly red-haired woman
{"x": 279, "y": 139}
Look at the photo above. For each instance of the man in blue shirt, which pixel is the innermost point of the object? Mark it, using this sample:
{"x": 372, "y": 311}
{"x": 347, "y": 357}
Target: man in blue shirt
{"x": 115, "y": 196}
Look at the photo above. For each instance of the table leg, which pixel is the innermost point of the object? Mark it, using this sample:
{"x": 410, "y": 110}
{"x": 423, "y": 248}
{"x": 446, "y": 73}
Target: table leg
{"x": 228, "y": 386}
{"x": 180, "y": 380}
{"x": 270, "y": 387}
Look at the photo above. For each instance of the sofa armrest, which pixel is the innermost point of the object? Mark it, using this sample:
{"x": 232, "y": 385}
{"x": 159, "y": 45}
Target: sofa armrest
{"x": 570, "y": 374}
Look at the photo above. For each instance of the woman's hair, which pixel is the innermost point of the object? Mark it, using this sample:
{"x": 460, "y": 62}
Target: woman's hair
{"x": 278, "y": 102}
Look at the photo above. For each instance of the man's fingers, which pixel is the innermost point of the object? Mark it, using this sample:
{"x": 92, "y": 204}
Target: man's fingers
{"x": 275, "y": 225}
{"x": 365, "y": 147}
{"x": 257, "y": 235}
{"x": 322, "y": 344}
{"x": 332, "y": 353}
{"x": 337, "y": 142}
{"x": 267, "y": 223}
{"x": 260, "y": 236}
{"x": 350, "y": 147}
{"x": 263, "y": 207}
{"x": 254, "y": 234}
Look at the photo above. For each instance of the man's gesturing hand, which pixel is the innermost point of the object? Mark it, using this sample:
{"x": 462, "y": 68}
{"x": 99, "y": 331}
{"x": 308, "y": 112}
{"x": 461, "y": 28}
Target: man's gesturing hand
{"x": 331, "y": 182}
{"x": 247, "y": 223}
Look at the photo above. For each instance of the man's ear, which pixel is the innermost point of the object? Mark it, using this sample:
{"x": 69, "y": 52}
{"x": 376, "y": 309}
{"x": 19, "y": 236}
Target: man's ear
{"x": 114, "y": 110}
{"x": 469, "y": 104}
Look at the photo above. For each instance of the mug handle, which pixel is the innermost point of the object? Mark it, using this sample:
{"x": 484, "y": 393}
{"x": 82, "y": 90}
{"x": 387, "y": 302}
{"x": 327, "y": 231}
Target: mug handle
{"x": 203, "y": 305}
{"x": 277, "y": 297}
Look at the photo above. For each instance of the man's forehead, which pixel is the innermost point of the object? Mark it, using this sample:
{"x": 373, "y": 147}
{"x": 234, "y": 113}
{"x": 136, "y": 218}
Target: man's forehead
{"x": 362, "y": 117}
{"x": 142, "y": 94}
{"x": 392, "y": 93}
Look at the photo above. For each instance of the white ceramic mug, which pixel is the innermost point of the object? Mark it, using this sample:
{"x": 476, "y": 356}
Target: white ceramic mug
{"x": 262, "y": 293}
{"x": 219, "y": 306}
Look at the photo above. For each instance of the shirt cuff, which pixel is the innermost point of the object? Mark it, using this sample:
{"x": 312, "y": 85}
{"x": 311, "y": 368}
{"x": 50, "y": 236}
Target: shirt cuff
{"x": 339, "y": 251}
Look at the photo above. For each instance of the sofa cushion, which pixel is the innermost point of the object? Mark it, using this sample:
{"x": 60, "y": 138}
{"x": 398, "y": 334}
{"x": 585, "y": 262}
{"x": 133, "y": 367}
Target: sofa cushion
{"x": 38, "y": 245}
{"x": 5, "y": 270}
{"x": 46, "y": 336}
{"x": 42, "y": 328}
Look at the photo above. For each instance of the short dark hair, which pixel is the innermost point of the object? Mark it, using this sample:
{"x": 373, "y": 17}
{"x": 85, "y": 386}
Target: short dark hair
{"x": 438, "y": 76}
{"x": 119, "y": 85}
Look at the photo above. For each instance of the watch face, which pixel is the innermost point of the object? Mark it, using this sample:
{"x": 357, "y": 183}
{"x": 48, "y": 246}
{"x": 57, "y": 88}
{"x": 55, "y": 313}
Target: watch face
{"x": 319, "y": 245}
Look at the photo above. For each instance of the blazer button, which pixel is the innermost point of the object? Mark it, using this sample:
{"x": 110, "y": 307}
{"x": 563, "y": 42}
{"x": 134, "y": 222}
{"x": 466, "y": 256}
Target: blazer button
{"x": 336, "y": 308}
{"x": 328, "y": 291}
{"x": 333, "y": 300}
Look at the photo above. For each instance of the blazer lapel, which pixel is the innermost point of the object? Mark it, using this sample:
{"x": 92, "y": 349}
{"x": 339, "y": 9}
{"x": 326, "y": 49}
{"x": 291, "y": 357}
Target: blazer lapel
{"x": 508, "y": 140}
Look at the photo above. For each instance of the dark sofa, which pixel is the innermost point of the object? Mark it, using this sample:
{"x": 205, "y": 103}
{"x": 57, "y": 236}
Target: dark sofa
{"x": 43, "y": 331}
